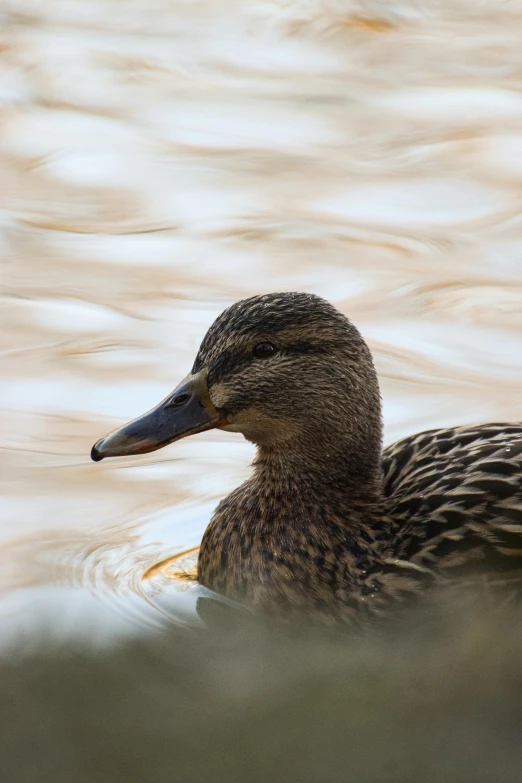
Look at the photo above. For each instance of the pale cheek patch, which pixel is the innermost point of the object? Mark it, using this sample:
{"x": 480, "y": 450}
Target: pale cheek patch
{"x": 231, "y": 427}
{"x": 261, "y": 428}
{"x": 218, "y": 395}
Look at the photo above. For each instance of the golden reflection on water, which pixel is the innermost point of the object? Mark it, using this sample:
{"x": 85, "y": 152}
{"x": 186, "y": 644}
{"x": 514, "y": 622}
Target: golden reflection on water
{"x": 161, "y": 160}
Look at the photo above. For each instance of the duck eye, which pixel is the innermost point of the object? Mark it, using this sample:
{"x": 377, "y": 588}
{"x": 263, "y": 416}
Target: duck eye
{"x": 264, "y": 350}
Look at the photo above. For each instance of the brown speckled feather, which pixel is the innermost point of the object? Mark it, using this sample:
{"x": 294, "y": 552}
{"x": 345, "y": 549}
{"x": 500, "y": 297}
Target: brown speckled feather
{"x": 456, "y": 497}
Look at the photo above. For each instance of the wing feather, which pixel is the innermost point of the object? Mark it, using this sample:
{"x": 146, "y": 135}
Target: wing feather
{"x": 455, "y": 497}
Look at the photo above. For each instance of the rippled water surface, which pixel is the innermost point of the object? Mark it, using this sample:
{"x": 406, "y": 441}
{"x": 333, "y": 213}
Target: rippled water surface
{"x": 159, "y": 160}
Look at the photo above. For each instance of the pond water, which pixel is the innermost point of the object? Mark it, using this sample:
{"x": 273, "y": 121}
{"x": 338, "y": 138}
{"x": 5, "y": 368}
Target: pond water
{"x": 160, "y": 160}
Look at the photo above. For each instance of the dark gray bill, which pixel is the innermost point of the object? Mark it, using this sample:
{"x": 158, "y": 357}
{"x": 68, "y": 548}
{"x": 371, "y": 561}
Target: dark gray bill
{"x": 187, "y": 410}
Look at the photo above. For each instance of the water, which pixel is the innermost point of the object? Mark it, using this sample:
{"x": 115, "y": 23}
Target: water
{"x": 160, "y": 160}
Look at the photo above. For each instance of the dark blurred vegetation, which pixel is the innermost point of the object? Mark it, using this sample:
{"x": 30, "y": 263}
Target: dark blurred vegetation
{"x": 437, "y": 699}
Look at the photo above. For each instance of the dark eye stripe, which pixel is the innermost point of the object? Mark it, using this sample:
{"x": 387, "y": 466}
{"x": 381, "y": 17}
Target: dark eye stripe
{"x": 229, "y": 362}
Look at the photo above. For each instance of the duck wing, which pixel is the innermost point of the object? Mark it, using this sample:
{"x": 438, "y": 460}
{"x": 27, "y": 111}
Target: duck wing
{"x": 455, "y": 499}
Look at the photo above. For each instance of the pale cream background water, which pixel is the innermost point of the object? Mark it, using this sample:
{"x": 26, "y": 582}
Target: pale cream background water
{"x": 161, "y": 159}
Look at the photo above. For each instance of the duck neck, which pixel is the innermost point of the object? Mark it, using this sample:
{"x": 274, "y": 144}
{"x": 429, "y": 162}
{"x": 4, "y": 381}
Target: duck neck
{"x": 328, "y": 473}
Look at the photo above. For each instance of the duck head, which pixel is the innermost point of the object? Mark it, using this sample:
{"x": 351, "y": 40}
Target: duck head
{"x": 287, "y": 370}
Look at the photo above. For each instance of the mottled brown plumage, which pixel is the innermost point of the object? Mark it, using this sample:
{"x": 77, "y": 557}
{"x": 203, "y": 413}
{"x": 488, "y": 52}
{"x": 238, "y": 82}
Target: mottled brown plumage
{"x": 329, "y": 524}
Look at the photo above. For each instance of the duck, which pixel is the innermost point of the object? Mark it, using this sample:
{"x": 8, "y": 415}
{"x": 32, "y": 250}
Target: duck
{"x": 330, "y": 525}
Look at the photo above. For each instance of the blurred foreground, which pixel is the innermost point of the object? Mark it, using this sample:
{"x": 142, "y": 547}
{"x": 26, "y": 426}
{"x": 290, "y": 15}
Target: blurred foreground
{"x": 438, "y": 699}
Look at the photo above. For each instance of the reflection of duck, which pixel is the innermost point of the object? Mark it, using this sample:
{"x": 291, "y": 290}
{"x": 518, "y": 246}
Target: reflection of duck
{"x": 328, "y": 522}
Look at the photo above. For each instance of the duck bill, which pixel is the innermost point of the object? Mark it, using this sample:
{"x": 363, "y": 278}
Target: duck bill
{"x": 186, "y": 411}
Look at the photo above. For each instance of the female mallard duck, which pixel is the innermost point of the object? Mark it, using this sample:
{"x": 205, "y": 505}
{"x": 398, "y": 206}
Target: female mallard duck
{"x": 329, "y": 523}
